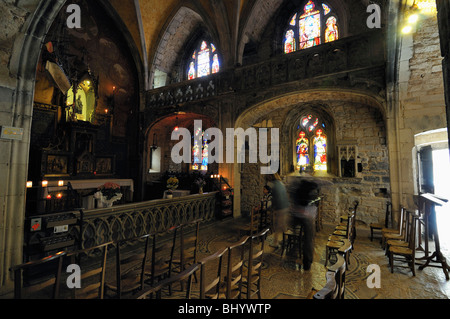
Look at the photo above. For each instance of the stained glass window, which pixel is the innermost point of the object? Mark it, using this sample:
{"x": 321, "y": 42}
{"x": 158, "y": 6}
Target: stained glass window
{"x": 311, "y": 144}
{"x": 204, "y": 61}
{"x": 289, "y": 42}
{"x": 314, "y": 24}
{"x": 320, "y": 151}
{"x": 200, "y": 151}
{"x": 302, "y": 150}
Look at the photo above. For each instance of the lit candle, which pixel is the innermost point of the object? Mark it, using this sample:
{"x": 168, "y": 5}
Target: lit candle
{"x": 59, "y": 195}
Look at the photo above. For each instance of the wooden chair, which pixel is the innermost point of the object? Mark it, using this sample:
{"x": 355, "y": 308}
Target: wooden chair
{"x": 210, "y": 281}
{"x": 265, "y": 215}
{"x": 232, "y": 288}
{"x": 130, "y": 270}
{"x": 188, "y": 247}
{"x": 48, "y": 288}
{"x": 393, "y": 233}
{"x": 377, "y": 227}
{"x": 406, "y": 254}
{"x": 159, "y": 266}
{"x": 338, "y": 239}
{"x": 292, "y": 239}
{"x": 92, "y": 277}
{"x": 387, "y": 234}
{"x": 155, "y": 292}
{"x": 352, "y": 211}
{"x": 256, "y": 252}
{"x": 335, "y": 281}
{"x": 252, "y": 227}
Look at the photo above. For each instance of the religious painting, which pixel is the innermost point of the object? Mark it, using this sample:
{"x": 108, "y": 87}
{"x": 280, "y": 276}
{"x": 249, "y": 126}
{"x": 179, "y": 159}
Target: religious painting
{"x": 104, "y": 165}
{"x": 57, "y": 164}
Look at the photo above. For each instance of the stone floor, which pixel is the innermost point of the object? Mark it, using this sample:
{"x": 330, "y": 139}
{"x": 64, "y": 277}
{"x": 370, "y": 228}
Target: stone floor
{"x": 283, "y": 277}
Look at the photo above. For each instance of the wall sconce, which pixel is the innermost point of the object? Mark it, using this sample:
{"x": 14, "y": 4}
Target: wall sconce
{"x": 60, "y": 183}
{"x": 415, "y": 12}
{"x": 44, "y": 183}
{"x": 29, "y": 184}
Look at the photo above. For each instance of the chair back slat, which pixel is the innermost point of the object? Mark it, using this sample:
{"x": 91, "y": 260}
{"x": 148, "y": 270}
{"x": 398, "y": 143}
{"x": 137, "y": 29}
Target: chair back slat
{"x": 210, "y": 280}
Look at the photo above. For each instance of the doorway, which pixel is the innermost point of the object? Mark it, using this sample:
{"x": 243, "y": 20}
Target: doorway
{"x": 441, "y": 177}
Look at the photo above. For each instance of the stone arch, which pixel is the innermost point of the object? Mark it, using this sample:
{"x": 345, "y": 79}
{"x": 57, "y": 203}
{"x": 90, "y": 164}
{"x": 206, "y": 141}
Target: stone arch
{"x": 310, "y": 97}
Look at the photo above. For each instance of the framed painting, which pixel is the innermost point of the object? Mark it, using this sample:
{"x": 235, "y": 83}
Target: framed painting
{"x": 104, "y": 165}
{"x": 56, "y": 164}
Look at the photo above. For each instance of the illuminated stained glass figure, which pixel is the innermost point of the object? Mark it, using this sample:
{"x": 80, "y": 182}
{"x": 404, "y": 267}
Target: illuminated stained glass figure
{"x": 200, "y": 151}
{"x": 204, "y": 166}
{"x": 320, "y": 151}
{"x": 215, "y": 65}
{"x": 203, "y": 67}
{"x": 204, "y": 61}
{"x": 309, "y": 26}
{"x": 289, "y": 42}
{"x": 302, "y": 151}
{"x": 191, "y": 72}
{"x": 331, "y": 31}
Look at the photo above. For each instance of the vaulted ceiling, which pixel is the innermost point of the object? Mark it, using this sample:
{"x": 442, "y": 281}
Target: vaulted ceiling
{"x": 161, "y": 29}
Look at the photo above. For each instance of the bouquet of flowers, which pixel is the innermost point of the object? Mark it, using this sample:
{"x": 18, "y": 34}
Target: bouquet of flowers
{"x": 172, "y": 183}
{"x": 200, "y": 182}
{"x": 108, "y": 193}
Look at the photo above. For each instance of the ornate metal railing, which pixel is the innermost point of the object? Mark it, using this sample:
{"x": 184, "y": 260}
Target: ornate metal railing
{"x": 130, "y": 220}
{"x": 351, "y": 54}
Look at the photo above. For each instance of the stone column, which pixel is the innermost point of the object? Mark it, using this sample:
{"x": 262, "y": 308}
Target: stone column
{"x": 30, "y": 25}
{"x": 443, "y": 8}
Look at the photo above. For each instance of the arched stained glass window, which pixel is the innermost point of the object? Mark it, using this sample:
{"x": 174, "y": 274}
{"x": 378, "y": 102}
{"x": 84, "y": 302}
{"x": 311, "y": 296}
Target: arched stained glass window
{"x": 204, "y": 61}
{"x": 311, "y": 144}
{"x": 312, "y": 25}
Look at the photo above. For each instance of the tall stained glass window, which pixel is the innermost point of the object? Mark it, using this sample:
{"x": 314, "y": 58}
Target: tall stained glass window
{"x": 204, "y": 61}
{"x": 200, "y": 151}
{"x": 311, "y": 144}
{"x": 314, "y": 24}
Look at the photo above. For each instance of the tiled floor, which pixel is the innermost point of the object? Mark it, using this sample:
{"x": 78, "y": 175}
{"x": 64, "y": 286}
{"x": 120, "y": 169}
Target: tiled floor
{"x": 284, "y": 279}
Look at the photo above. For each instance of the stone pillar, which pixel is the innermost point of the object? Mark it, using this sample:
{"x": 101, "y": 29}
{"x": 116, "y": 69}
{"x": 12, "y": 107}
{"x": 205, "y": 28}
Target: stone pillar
{"x": 443, "y": 8}
{"x": 30, "y": 25}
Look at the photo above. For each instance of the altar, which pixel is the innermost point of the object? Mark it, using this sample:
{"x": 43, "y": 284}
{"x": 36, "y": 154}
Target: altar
{"x": 89, "y": 202}
{"x": 178, "y": 193}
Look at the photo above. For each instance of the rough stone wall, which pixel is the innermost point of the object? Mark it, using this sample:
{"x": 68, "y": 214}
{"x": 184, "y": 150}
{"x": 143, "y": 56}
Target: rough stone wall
{"x": 422, "y": 100}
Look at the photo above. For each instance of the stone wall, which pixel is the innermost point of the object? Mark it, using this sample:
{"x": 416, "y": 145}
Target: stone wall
{"x": 421, "y": 95}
